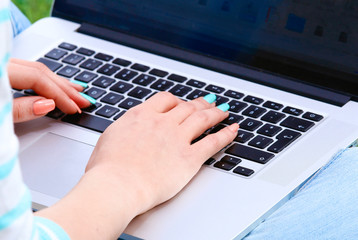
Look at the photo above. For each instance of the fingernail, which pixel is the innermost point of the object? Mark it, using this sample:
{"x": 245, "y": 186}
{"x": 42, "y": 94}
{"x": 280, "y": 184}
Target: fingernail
{"x": 210, "y": 98}
{"x": 44, "y": 106}
{"x": 90, "y": 99}
{"x": 234, "y": 127}
{"x": 82, "y": 84}
{"x": 78, "y": 109}
{"x": 224, "y": 107}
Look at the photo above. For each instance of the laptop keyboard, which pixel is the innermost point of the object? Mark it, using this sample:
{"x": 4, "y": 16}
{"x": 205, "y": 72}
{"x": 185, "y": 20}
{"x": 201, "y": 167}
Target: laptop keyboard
{"x": 266, "y": 127}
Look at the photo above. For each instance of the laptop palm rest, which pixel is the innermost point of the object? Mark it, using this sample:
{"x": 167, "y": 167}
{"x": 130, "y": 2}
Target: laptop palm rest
{"x": 54, "y": 164}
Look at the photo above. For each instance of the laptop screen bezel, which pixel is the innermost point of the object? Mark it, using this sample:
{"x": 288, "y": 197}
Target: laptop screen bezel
{"x": 333, "y": 80}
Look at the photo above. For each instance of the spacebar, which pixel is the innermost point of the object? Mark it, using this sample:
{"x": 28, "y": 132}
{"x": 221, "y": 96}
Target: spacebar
{"x": 88, "y": 121}
{"x": 249, "y": 153}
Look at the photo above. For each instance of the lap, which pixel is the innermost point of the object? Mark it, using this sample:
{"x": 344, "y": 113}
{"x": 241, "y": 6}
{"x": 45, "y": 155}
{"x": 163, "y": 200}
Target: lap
{"x": 326, "y": 208}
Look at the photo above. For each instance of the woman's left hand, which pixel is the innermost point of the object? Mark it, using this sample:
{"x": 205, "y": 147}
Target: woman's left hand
{"x": 53, "y": 91}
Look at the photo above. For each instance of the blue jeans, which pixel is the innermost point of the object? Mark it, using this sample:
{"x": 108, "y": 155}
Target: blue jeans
{"x": 325, "y": 208}
{"x": 18, "y": 20}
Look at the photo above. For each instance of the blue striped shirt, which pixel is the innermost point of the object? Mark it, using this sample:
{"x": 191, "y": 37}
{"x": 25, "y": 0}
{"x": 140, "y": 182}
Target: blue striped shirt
{"x": 16, "y": 218}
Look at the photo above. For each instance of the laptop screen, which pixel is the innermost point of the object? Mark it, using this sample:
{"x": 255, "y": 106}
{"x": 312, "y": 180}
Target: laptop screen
{"x": 314, "y": 41}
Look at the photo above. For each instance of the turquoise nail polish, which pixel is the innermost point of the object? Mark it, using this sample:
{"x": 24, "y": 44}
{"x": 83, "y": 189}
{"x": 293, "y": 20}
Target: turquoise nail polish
{"x": 224, "y": 107}
{"x": 90, "y": 99}
{"x": 210, "y": 98}
{"x": 84, "y": 85}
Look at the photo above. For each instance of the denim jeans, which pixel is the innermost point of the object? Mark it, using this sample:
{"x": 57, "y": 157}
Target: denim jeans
{"x": 325, "y": 208}
{"x": 18, "y": 20}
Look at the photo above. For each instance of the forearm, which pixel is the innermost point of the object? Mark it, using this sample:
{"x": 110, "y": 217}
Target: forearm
{"x": 99, "y": 207}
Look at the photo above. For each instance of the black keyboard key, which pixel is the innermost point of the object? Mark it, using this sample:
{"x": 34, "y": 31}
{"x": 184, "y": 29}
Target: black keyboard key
{"x": 85, "y": 51}
{"x": 112, "y": 98}
{"x": 108, "y": 69}
{"x": 273, "y": 117}
{"x": 103, "y": 82}
{"x": 232, "y": 160}
{"x": 107, "y": 111}
{"x": 217, "y": 128}
{"x": 269, "y": 130}
{"x": 129, "y": 103}
{"x": 196, "y": 94}
{"x": 122, "y": 62}
{"x": 236, "y": 106}
{"x": 121, "y": 87}
{"x": 93, "y": 107}
{"x": 249, "y": 153}
{"x": 88, "y": 121}
{"x": 209, "y": 161}
{"x": 234, "y": 94}
{"x": 215, "y": 89}
{"x": 139, "y": 92}
{"x": 297, "y": 123}
{"x": 284, "y": 139}
{"x": 177, "y": 78}
{"x": 86, "y": 76}
{"x": 67, "y": 46}
{"x": 233, "y": 118}
{"x": 196, "y": 83}
{"x": 73, "y": 59}
{"x": 312, "y": 116}
{"x": 260, "y": 142}
{"x": 56, "y": 54}
{"x": 252, "y": 99}
{"x": 250, "y": 124}
{"x": 68, "y": 71}
{"x": 104, "y": 57}
{"x": 91, "y": 64}
{"x": 119, "y": 115}
{"x": 158, "y": 72}
{"x": 162, "y": 85}
{"x": 224, "y": 165}
{"x": 126, "y": 74}
{"x": 244, "y": 171}
{"x": 53, "y": 66}
{"x": 243, "y": 136}
{"x": 18, "y": 95}
{"x": 55, "y": 114}
{"x": 220, "y": 100}
{"x": 292, "y": 110}
{"x": 30, "y": 92}
{"x": 273, "y": 105}
{"x": 180, "y": 90}
{"x": 140, "y": 67}
{"x": 254, "y": 111}
{"x": 95, "y": 92}
{"x": 144, "y": 80}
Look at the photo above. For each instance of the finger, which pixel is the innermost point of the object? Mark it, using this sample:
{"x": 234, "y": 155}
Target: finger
{"x": 213, "y": 143}
{"x": 69, "y": 88}
{"x": 24, "y": 77}
{"x": 200, "y": 121}
{"x": 162, "y": 102}
{"x": 28, "y": 108}
{"x": 185, "y": 109}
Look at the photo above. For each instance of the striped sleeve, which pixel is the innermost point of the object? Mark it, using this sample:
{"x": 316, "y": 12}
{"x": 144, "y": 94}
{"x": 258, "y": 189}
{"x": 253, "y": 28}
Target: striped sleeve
{"x": 16, "y": 218}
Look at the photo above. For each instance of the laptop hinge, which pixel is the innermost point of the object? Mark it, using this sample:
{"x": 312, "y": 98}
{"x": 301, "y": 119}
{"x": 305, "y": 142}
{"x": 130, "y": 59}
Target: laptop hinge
{"x": 250, "y": 74}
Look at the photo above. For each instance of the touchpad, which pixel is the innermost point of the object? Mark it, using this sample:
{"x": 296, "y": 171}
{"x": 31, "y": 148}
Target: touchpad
{"x": 53, "y": 165}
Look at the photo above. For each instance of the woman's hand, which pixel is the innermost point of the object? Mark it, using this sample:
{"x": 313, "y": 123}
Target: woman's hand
{"x": 52, "y": 89}
{"x": 141, "y": 160}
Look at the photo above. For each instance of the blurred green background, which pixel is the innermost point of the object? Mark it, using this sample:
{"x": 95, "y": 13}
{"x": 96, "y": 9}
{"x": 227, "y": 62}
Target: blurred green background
{"x": 34, "y": 9}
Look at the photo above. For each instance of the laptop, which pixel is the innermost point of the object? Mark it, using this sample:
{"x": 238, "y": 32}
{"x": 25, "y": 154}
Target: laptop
{"x": 288, "y": 69}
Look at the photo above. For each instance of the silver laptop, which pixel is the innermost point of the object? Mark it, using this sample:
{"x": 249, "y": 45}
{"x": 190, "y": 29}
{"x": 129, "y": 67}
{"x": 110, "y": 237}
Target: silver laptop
{"x": 289, "y": 70}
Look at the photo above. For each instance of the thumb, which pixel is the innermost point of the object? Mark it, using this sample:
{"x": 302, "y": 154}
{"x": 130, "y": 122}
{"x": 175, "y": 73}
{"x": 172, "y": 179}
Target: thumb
{"x": 28, "y": 108}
